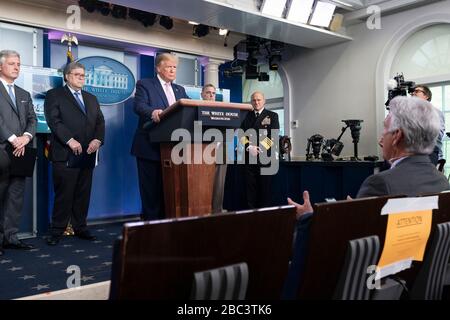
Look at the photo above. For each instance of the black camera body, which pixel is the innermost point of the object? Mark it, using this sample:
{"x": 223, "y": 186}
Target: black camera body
{"x": 402, "y": 88}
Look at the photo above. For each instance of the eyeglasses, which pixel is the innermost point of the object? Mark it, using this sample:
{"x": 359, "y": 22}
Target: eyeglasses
{"x": 78, "y": 75}
{"x": 418, "y": 90}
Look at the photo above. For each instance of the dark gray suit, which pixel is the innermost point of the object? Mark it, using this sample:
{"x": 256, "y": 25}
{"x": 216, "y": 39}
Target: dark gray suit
{"x": 12, "y": 188}
{"x": 412, "y": 176}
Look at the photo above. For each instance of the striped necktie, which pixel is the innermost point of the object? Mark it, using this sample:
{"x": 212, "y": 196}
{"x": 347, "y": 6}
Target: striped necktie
{"x": 80, "y": 103}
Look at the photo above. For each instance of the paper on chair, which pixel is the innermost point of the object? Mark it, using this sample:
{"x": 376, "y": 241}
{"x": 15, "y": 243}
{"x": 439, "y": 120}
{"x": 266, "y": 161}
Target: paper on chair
{"x": 401, "y": 205}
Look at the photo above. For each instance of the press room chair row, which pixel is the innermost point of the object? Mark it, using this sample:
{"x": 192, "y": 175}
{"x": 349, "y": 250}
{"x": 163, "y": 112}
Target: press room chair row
{"x": 428, "y": 285}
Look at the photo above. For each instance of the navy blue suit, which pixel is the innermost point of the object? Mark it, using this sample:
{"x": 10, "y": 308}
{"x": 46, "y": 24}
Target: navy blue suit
{"x": 150, "y": 96}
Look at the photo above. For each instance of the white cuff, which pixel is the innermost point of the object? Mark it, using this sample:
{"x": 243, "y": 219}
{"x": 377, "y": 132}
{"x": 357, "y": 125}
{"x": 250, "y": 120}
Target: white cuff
{"x": 12, "y": 138}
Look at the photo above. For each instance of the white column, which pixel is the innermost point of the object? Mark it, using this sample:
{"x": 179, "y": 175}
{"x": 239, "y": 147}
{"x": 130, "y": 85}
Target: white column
{"x": 212, "y": 71}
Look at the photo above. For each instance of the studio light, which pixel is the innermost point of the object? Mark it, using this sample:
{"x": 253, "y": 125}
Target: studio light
{"x": 223, "y": 32}
{"x": 104, "y": 8}
{"x": 273, "y": 7}
{"x": 200, "y": 30}
{"x": 119, "y": 12}
{"x": 322, "y": 15}
{"x": 274, "y": 60}
{"x": 263, "y": 76}
{"x": 300, "y": 10}
{"x": 251, "y": 72}
{"x": 166, "y": 22}
{"x": 146, "y": 18}
{"x": 88, "y": 5}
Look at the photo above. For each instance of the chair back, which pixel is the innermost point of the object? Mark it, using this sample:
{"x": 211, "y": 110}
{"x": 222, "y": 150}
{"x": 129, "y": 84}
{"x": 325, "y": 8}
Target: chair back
{"x": 432, "y": 275}
{"x": 361, "y": 253}
{"x": 225, "y": 283}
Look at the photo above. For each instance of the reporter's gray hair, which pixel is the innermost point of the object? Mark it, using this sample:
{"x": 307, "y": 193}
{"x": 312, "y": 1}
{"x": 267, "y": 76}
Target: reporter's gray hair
{"x": 8, "y": 53}
{"x": 419, "y": 122}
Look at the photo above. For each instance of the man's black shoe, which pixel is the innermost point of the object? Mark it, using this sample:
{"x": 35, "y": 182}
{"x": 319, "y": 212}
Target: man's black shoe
{"x": 20, "y": 245}
{"x": 85, "y": 235}
{"x": 53, "y": 240}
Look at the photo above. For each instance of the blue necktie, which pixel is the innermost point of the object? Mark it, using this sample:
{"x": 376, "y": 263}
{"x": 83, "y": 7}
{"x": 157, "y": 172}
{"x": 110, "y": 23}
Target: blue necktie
{"x": 80, "y": 103}
{"x": 11, "y": 95}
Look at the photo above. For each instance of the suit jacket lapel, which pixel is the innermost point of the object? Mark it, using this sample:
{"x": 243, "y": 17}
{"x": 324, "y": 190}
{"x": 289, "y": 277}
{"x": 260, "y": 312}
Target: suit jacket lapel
{"x": 8, "y": 98}
{"x": 176, "y": 91}
{"x": 89, "y": 110}
{"x": 72, "y": 99}
{"x": 161, "y": 92}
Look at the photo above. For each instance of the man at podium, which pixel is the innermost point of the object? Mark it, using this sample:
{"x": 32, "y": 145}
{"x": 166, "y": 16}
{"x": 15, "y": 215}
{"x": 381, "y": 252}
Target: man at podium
{"x": 151, "y": 98}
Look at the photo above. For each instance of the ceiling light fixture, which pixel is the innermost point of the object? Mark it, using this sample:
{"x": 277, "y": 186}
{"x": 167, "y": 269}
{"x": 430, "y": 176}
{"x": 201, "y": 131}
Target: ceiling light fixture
{"x": 300, "y": 10}
{"x": 322, "y": 14}
{"x": 273, "y": 7}
{"x": 166, "y": 22}
{"x": 223, "y": 32}
{"x": 200, "y": 30}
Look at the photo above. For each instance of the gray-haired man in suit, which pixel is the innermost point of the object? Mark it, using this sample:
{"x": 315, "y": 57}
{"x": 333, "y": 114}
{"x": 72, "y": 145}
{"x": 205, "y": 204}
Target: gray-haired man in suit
{"x": 17, "y": 128}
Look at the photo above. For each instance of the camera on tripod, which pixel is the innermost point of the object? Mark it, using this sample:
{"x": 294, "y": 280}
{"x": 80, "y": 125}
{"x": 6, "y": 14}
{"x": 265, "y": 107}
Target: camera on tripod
{"x": 326, "y": 149}
{"x": 398, "y": 87}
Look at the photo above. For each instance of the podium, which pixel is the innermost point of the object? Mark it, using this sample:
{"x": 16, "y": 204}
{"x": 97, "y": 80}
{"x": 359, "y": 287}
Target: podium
{"x": 188, "y": 185}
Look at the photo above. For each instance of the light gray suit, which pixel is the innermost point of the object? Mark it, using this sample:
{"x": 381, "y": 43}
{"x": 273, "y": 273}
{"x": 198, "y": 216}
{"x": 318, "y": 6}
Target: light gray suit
{"x": 12, "y": 188}
{"x": 412, "y": 176}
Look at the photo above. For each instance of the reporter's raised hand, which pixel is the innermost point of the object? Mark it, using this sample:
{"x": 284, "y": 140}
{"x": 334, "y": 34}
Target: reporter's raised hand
{"x": 302, "y": 209}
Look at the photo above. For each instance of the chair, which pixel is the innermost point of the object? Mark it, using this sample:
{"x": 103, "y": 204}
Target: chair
{"x": 432, "y": 276}
{"x": 391, "y": 288}
{"x": 352, "y": 285}
{"x": 440, "y": 165}
{"x": 225, "y": 283}
{"x": 361, "y": 253}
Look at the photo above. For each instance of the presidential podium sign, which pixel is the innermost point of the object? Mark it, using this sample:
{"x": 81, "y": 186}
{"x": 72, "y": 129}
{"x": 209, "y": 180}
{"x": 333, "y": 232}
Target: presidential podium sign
{"x": 185, "y": 133}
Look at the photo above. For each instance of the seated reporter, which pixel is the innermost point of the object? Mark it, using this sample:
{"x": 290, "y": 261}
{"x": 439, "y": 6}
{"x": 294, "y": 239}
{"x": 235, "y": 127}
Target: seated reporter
{"x": 409, "y": 136}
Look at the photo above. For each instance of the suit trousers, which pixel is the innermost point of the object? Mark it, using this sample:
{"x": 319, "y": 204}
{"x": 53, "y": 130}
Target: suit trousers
{"x": 11, "y": 202}
{"x": 258, "y": 187}
{"x": 151, "y": 189}
{"x": 72, "y": 195}
{"x": 218, "y": 188}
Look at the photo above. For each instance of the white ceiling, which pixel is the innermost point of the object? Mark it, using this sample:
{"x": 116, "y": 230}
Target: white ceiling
{"x": 243, "y": 16}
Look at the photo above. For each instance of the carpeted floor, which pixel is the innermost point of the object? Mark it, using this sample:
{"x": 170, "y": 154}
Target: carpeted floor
{"x": 44, "y": 269}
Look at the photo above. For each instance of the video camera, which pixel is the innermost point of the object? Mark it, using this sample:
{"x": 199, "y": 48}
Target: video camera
{"x": 398, "y": 87}
{"x": 333, "y": 147}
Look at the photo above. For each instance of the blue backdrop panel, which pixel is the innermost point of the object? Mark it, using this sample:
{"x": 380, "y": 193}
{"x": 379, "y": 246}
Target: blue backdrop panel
{"x": 233, "y": 83}
{"x": 115, "y": 187}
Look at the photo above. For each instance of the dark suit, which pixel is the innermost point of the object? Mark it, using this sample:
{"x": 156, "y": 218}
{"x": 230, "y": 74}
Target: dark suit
{"x": 12, "y": 189}
{"x": 258, "y": 187}
{"x": 150, "y": 96}
{"x": 412, "y": 176}
{"x": 72, "y": 185}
